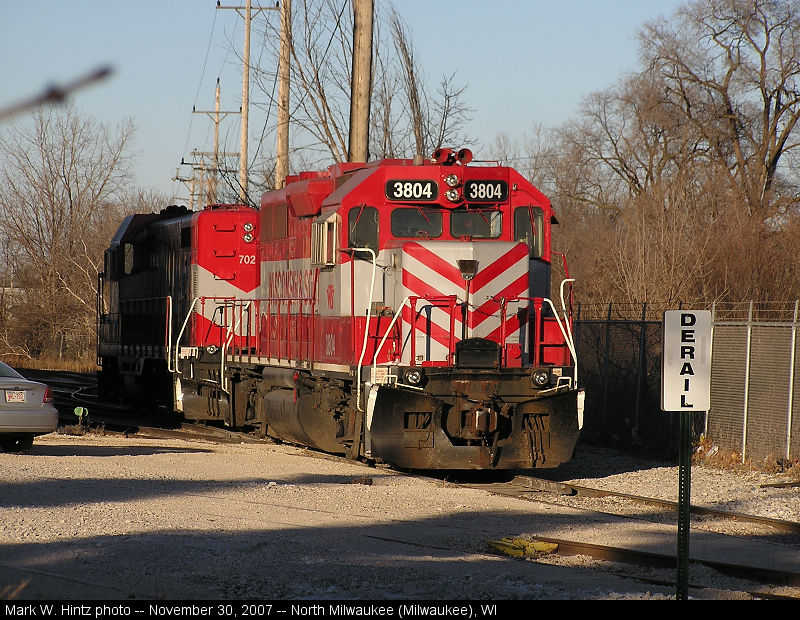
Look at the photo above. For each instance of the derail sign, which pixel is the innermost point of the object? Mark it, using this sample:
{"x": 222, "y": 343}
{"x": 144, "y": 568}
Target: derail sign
{"x": 686, "y": 361}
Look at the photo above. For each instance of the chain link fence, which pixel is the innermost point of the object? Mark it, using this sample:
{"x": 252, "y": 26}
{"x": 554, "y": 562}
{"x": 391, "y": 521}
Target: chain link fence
{"x": 754, "y": 392}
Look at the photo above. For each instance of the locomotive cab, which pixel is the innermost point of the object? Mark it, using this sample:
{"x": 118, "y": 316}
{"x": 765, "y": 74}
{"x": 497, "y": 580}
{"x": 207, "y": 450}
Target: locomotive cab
{"x": 423, "y": 304}
{"x": 165, "y": 298}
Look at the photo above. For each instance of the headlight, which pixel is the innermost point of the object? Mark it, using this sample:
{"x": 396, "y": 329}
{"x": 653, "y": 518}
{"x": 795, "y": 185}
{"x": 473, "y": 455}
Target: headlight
{"x": 414, "y": 376}
{"x": 451, "y": 180}
{"x": 541, "y": 377}
{"x": 248, "y": 237}
{"x": 248, "y": 226}
{"x": 211, "y": 349}
{"x": 452, "y": 195}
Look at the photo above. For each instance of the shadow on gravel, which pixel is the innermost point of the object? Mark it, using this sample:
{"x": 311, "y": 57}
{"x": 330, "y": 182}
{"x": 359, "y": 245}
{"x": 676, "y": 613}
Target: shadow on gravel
{"x": 439, "y": 558}
{"x": 79, "y": 450}
{"x": 55, "y": 492}
{"x": 270, "y": 538}
{"x": 274, "y": 551}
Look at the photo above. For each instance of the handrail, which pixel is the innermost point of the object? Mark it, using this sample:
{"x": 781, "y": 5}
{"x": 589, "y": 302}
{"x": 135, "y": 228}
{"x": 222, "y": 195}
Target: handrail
{"x": 138, "y": 302}
{"x": 451, "y": 301}
{"x": 169, "y": 331}
{"x": 180, "y": 333}
{"x": 366, "y": 328}
{"x": 567, "y": 317}
{"x": 231, "y": 334}
{"x": 566, "y": 333}
{"x": 264, "y": 307}
{"x": 386, "y": 335}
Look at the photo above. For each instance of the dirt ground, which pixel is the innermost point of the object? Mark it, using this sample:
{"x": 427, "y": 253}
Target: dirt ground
{"x": 115, "y": 518}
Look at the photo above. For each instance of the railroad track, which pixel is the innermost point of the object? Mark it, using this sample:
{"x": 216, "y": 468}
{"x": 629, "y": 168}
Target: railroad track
{"x": 525, "y": 484}
{"x": 609, "y": 553}
{"x": 531, "y": 488}
{"x": 72, "y": 389}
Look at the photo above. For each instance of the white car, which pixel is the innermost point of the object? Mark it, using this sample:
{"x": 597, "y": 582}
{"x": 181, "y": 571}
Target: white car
{"x": 26, "y": 410}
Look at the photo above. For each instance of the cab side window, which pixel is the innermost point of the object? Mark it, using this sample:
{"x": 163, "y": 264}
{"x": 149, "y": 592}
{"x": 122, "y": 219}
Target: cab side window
{"x": 529, "y": 229}
{"x": 362, "y": 228}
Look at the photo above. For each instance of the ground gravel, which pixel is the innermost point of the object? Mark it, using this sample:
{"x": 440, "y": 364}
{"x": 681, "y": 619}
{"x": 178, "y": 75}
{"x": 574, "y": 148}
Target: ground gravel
{"x": 111, "y": 517}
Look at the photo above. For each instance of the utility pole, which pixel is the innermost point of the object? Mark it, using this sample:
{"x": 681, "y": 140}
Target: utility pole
{"x": 243, "y": 177}
{"x": 248, "y": 11}
{"x": 361, "y": 82}
{"x": 189, "y": 181}
{"x": 213, "y": 179}
{"x": 282, "y": 143}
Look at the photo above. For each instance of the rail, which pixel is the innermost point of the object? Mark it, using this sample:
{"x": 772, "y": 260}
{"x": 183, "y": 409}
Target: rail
{"x": 392, "y": 323}
{"x": 180, "y": 335}
{"x": 294, "y": 330}
{"x": 240, "y": 340}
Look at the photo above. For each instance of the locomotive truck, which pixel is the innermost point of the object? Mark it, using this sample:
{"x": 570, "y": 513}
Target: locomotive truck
{"x": 396, "y": 311}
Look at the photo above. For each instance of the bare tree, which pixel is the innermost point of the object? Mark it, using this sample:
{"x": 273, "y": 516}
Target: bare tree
{"x": 61, "y": 184}
{"x": 662, "y": 247}
{"x": 405, "y": 119}
{"x": 532, "y": 152}
{"x": 413, "y": 87}
{"x": 704, "y": 137}
{"x": 625, "y": 140}
{"x": 434, "y": 121}
{"x": 731, "y": 70}
{"x": 450, "y": 114}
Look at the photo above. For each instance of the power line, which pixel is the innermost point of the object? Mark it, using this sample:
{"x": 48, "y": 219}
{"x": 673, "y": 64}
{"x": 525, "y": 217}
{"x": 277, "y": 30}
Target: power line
{"x": 200, "y": 82}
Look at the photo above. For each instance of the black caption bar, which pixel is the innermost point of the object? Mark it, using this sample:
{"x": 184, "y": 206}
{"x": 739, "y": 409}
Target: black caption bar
{"x": 261, "y": 609}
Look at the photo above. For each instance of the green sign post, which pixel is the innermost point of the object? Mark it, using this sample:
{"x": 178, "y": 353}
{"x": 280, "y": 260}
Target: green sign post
{"x": 684, "y": 504}
{"x": 685, "y": 388}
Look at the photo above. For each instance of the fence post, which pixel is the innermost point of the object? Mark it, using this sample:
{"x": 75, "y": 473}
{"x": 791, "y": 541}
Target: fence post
{"x": 747, "y": 379}
{"x": 707, "y": 414}
{"x": 605, "y": 364}
{"x": 639, "y": 369}
{"x": 791, "y": 381}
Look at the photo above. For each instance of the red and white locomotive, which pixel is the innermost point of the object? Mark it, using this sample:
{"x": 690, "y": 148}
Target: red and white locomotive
{"x": 398, "y": 311}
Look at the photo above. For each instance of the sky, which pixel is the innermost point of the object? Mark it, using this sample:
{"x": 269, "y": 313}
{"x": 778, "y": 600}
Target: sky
{"x": 524, "y": 62}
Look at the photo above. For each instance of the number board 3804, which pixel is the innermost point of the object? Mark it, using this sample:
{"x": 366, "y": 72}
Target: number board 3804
{"x": 416, "y": 190}
{"x": 485, "y": 191}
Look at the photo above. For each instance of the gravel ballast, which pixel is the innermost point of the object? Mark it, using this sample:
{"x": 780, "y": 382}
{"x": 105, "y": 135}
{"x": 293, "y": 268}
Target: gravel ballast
{"x": 108, "y": 517}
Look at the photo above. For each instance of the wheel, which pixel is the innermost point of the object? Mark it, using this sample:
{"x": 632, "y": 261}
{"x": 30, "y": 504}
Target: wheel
{"x": 16, "y": 443}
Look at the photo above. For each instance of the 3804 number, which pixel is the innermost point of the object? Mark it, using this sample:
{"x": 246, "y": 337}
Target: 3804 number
{"x": 419, "y": 190}
{"x": 486, "y": 191}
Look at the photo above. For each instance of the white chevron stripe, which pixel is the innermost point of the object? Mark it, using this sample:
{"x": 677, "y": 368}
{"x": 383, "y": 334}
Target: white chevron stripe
{"x": 432, "y": 278}
{"x": 439, "y": 316}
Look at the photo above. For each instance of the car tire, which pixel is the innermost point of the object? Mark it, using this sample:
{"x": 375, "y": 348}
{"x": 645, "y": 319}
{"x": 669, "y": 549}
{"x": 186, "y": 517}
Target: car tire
{"x": 16, "y": 443}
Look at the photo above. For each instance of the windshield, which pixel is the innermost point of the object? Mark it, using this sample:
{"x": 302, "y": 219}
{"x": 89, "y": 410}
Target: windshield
{"x": 420, "y": 222}
{"x": 479, "y": 224}
{"x": 7, "y": 371}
